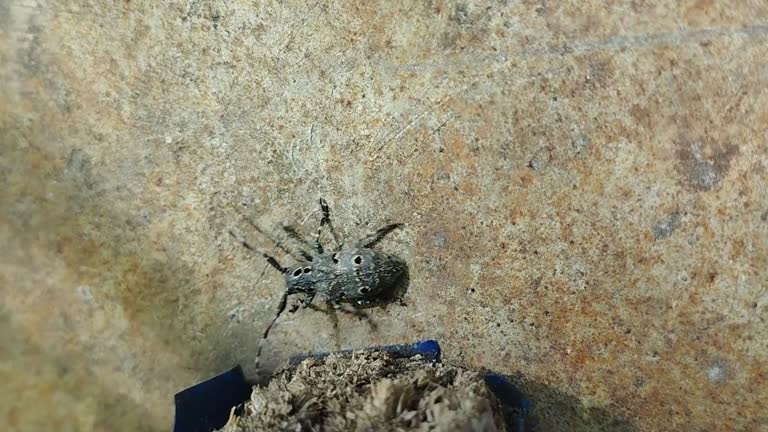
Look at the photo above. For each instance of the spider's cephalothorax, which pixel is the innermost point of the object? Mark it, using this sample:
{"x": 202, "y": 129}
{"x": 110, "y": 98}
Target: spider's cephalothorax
{"x": 354, "y": 274}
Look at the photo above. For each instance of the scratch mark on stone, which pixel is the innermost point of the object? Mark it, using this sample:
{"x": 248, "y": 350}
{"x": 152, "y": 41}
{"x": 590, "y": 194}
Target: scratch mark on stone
{"x": 291, "y": 152}
{"x": 668, "y": 38}
{"x": 398, "y": 134}
{"x": 584, "y": 46}
{"x": 442, "y": 125}
{"x": 576, "y": 47}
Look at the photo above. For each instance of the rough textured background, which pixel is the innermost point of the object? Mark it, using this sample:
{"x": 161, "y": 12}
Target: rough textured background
{"x": 585, "y": 187}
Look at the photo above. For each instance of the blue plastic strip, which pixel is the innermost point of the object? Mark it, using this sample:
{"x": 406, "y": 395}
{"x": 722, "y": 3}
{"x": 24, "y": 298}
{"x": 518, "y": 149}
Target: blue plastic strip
{"x": 206, "y": 406}
{"x": 514, "y": 402}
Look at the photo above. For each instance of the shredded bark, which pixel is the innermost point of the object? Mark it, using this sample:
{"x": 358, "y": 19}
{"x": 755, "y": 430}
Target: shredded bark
{"x": 370, "y": 391}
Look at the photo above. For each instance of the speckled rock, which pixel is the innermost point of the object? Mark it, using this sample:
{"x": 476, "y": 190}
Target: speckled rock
{"x": 584, "y": 188}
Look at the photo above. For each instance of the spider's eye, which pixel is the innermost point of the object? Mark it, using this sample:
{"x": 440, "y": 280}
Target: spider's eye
{"x": 297, "y": 272}
{"x": 335, "y": 258}
{"x": 307, "y": 269}
{"x": 357, "y": 260}
{"x": 364, "y": 290}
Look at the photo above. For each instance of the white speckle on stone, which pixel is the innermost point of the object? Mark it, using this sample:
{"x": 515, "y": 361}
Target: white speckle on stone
{"x": 85, "y": 293}
{"x": 716, "y": 372}
{"x": 475, "y": 269}
{"x": 439, "y": 239}
{"x": 579, "y": 141}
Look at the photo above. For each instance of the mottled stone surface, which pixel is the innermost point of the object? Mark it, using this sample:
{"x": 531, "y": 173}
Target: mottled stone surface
{"x": 584, "y": 187}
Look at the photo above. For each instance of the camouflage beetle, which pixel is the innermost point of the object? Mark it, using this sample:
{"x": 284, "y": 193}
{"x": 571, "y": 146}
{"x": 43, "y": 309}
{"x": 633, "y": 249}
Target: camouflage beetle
{"x": 355, "y": 275}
